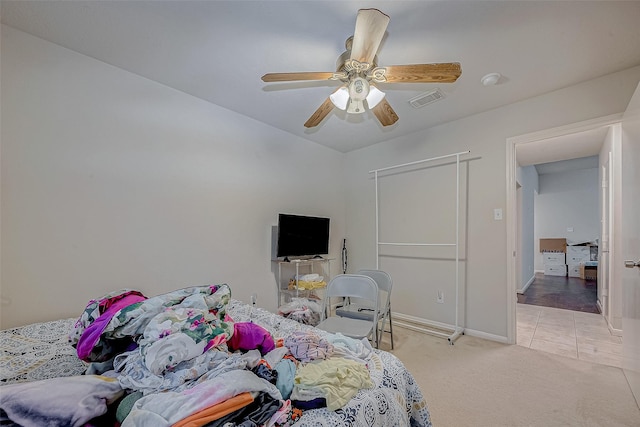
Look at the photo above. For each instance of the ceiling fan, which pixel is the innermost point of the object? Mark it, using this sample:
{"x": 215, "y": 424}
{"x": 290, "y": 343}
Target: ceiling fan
{"x": 357, "y": 68}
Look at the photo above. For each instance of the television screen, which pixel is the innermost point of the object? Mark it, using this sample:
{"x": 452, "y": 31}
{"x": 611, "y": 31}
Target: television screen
{"x": 302, "y": 235}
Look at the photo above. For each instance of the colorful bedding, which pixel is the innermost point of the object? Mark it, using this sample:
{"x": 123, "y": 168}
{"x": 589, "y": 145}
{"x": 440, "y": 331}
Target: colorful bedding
{"x": 197, "y": 357}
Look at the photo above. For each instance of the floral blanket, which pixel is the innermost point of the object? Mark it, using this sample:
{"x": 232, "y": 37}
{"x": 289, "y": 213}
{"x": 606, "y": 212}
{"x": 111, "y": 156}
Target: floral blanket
{"x": 193, "y": 318}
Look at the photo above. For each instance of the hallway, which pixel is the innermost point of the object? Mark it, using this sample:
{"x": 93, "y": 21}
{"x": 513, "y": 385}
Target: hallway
{"x": 569, "y": 293}
{"x": 575, "y": 334}
{"x": 559, "y": 315}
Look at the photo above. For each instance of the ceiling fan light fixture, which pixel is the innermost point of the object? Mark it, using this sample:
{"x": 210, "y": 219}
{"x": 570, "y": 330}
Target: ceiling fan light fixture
{"x": 375, "y": 96}
{"x": 340, "y": 98}
{"x": 358, "y": 89}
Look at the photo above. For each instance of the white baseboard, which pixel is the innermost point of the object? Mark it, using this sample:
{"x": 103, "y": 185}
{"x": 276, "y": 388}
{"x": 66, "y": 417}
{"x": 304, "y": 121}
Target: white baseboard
{"x": 486, "y": 336}
{"x": 419, "y": 321}
{"x": 432, "y": 327}
{"x": 526, "y": 286}
{"x": 612, "y": 330}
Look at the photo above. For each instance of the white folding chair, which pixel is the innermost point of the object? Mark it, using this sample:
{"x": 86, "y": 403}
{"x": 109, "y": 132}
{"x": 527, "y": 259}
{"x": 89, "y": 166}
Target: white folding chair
{"x": 351, "y": 286}
{"x": 362, "y": 310}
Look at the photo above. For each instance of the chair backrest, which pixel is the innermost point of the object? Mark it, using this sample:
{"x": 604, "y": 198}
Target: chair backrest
{"x": 351, "y": 286}
{"x": 382, "y": 278}
{"x": 385, "y": 284}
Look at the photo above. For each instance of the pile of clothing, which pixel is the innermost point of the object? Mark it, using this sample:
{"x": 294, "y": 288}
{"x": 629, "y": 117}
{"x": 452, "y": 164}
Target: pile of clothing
{"x": 178, "y": 359}
{"x": 302, "y": 310}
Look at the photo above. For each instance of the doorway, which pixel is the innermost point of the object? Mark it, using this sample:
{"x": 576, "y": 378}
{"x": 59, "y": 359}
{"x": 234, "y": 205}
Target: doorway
{"x": 551, "y": 145}
{"x": 564, "y": 200}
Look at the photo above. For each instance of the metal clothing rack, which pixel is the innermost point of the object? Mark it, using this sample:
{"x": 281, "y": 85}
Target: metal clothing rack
{"x": 457, "y": 330}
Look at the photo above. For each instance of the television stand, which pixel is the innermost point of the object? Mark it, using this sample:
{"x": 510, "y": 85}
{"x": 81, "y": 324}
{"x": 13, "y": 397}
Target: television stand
{"x": 292, "y": 269}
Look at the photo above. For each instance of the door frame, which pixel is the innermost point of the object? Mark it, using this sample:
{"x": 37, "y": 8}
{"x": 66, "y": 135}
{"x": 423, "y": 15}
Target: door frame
{"x": 511, "y": 201}
{"x": 606, "y": 185}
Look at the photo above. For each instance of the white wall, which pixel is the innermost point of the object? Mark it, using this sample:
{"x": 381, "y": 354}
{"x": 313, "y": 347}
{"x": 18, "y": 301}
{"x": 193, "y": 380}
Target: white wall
{"x": 110, "y": 180}
{"x": 567, "y": 200}
{"x": 485, "y": 239}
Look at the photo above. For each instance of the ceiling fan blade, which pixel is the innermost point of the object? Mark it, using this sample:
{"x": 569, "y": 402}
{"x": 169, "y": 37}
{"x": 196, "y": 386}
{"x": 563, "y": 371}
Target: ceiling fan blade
{"x": 290, "y": 77}
{"x": 319, "y": 114}
{"x": 370, "y": 27}
{"x": 447, "y": 72}
{"x": 385, "y": 114}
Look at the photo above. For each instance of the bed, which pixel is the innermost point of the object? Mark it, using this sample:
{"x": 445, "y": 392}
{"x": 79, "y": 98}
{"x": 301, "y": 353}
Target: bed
{"x": 196, "y": 356}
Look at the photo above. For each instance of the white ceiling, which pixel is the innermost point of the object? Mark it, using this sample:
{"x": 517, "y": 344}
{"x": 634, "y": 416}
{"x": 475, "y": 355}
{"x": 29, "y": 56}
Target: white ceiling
{"x": 575, "y": 145}
{"x": 567, "y": 165}
{"x": 218, "y": 50}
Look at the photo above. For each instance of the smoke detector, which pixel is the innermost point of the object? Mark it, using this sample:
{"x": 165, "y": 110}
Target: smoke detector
{"x": 491, "y": 79}
{"x": 426, "y": 98}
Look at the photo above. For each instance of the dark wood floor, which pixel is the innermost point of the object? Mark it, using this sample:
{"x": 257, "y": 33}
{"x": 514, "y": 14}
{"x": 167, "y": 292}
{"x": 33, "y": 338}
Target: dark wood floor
{"x": 569, "y": 293}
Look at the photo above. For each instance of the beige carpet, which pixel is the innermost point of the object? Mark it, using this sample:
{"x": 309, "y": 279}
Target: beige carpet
{"x": 477, "y": 382}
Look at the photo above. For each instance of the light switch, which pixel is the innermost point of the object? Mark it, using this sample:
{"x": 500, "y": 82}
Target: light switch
{"x": 570, "y": 229}
{"x": 497, "y": 214}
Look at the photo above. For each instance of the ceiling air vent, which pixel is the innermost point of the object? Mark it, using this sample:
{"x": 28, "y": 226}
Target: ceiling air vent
{"x": 426, "y": 98}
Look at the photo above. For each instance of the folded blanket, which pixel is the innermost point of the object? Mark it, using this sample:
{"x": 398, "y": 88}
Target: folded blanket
{"x": 58, "y": 402}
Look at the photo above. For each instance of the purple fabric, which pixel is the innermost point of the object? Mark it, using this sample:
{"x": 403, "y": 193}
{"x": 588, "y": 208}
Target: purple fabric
{"x": 91, "y": 334}
{"x": 250, "y": 336}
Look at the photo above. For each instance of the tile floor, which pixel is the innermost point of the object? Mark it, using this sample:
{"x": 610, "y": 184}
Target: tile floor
{"x": 575, "y": 334}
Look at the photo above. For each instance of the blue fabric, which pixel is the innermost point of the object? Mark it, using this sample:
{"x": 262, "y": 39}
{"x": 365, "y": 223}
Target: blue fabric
{"x": 286, "y": 374}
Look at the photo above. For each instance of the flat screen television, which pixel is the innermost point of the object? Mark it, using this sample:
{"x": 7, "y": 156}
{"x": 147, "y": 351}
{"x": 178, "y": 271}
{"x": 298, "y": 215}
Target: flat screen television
{"x": 300, "y": 236}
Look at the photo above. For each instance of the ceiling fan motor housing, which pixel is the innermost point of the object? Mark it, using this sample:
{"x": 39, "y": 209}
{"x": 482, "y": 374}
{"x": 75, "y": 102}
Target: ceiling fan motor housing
{"x": 345, "y": 57}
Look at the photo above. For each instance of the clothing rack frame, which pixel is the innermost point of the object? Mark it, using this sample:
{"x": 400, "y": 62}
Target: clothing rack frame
{"x": 457, "y": 329}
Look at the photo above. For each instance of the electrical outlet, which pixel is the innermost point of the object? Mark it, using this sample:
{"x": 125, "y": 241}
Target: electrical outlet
{"x": 440, "y": 297}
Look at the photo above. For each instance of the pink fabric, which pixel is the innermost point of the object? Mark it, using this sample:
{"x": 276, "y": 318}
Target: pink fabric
{"x": 250, "y": 336}
{"x": 91, "y": 335}
{"x": 108, "y": 302}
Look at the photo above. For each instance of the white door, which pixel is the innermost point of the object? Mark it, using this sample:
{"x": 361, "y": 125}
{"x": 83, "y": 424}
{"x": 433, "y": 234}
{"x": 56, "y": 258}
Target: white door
{"x": 631, "y": 243}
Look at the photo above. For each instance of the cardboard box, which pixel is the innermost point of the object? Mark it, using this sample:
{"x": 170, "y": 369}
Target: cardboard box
{"x": 588, "y": 272}
{"x": 553, "y": 245}
{"x": 578, "y": 254}
{"x": 555, "y": 270}
{"x": 553, "y": 258}
{"x": 573, "y": 270}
